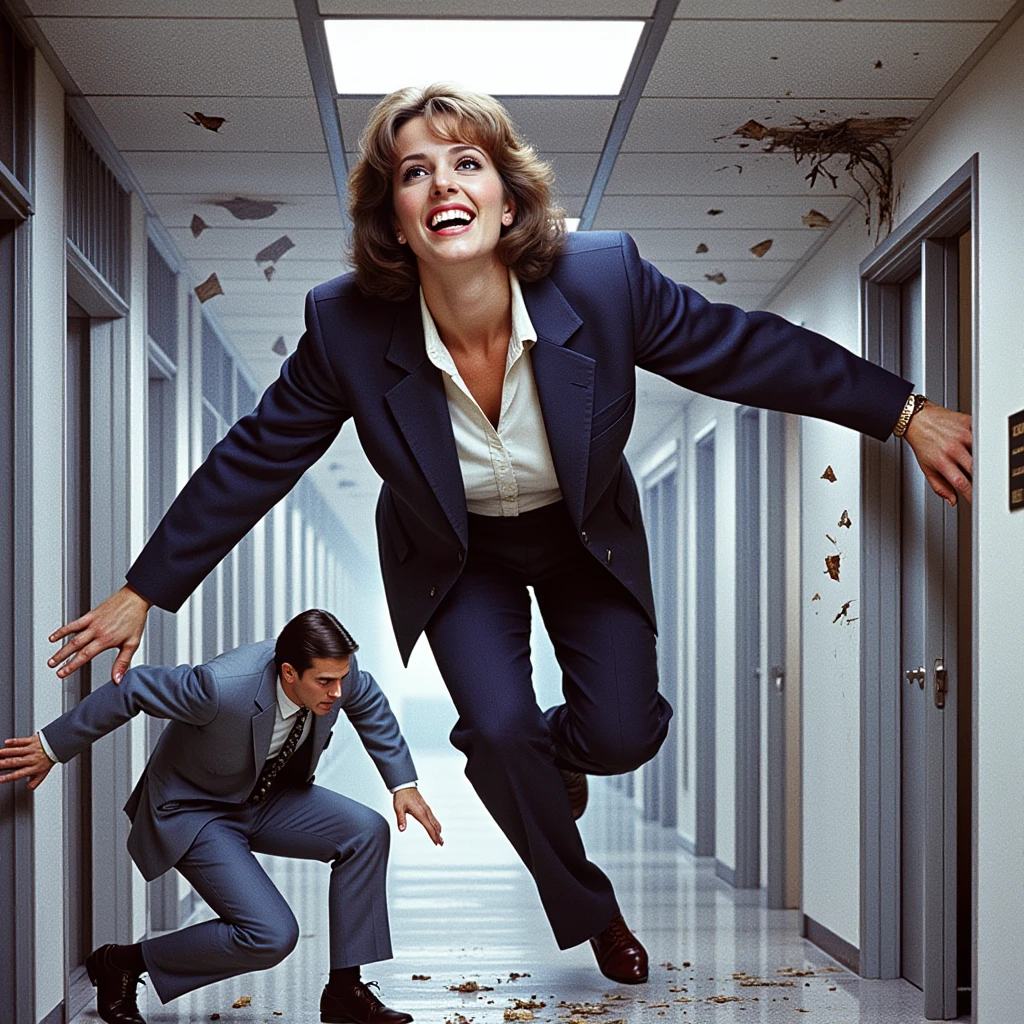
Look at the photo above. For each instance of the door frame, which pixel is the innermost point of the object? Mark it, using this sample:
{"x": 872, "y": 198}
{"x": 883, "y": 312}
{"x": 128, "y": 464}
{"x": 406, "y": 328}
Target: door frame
{"x": 919, "y": 241}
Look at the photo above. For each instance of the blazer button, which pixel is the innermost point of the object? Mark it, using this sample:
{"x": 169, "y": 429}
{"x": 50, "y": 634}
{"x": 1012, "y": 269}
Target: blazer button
{"x": 433, "y": 591}
{"x": 608, "y": 557}
{"x": 583, "y": 537}
{"x": 462, "y": 555}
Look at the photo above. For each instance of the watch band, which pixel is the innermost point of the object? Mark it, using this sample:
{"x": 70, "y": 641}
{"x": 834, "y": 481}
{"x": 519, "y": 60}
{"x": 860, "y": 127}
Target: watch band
{"x": 914, "y": 404}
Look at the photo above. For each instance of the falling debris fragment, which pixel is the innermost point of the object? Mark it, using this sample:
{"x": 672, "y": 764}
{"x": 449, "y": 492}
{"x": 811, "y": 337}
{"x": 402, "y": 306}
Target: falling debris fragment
{"x": 702, "y": 248}
{"x": 762, "y": 247}
{"x": 279, "y": 348}
{"x": 415, "y": 977}
{"x": 241, "y": 1002}
{"x": 208, "y": 289}
{"x": 197, "y": 225}
{"x": 796, "y": 972}
{"x": 864, "y": 142}
{"x": 723, "y": 999}
{"x": 468, "y": 986}
{"x": 878, "y": 64}
{"x": 273, "y": 252}
{"x": 842, "y": 612}
{"x": 518, "y": 1014}
{"x": 815, "y": 219}
{"x": 828, "y": 475}
{"x": 458, "y": 1019}
{"x": 242, "y": 208}
{"x": 766, "y": 983}
{"x": 513, "y": 975}
{"x": 214, "y": 1016}
{"x": 528, "y": 1004}
{"x": 717, "y": 278}
{"x": 832, "y": 566}
{"x": 828, "y": 536}
{"x": 715, "y": 213}
{"x": 817, "y": 597}
{"x": 845, "y": 520}
{"x": 268, "y": 272}
{"x": 212, "y": 124}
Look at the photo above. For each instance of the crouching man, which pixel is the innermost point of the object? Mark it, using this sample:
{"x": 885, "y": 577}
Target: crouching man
{"x": 231, "y": 776}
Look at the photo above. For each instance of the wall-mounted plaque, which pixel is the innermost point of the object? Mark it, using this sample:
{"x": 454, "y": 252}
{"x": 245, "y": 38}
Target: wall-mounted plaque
{"x": 1017, "y": 461}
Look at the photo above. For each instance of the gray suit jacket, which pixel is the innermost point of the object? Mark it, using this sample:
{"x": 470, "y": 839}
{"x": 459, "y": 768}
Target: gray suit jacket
{"x": 209, "y": 758}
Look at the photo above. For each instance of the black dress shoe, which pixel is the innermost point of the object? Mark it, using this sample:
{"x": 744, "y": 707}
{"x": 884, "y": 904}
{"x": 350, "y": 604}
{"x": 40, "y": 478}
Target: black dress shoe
{"x": 578, "y": 790}
{"x": 115, "y": 988}
{"x": 620, "y": 954}
{"x": 356, "y": 1004}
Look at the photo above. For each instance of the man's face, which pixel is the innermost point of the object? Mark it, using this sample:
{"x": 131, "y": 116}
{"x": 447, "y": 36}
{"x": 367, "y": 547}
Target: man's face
{"x": 319, "y": 686}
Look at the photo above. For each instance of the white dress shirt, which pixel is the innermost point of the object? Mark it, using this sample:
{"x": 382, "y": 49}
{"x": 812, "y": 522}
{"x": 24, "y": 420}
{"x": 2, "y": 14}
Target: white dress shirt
{"x": 505, "y": 470}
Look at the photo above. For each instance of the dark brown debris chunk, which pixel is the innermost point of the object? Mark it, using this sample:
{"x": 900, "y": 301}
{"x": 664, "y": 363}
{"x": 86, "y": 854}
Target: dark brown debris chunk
{"x": 268, "y": 272}
{"x": 212, "y": 124}
{"x": 845, "y": 520}
{"x": 828, "y": 475}
{"x": 762, "y": 247}
{"x": 273, "y": 252}
{"x": 208, "y": 289}
{"x": 415, "y": 977}
{"x": 815, "y": 219}
{"x": 817, "y": 597}
{"x": 842, "y": 612}
{"x": 467, "y": 986}
{"x": 243, "y": 208}
{"x": 716, "y": 278}
{"x": 197, "y": 225}
{"x": 715, "y": 213}
{"x": 832, "y": 566}
{"x": 701, "y": 249}
{"x": 878, "y": 64}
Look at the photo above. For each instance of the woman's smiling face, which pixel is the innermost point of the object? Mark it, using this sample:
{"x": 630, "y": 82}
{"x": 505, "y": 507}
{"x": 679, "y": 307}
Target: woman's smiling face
{"x": 448, "y": 197}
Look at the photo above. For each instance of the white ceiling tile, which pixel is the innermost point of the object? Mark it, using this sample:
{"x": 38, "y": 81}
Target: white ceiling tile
{"x": 848, "y": 10}
{"x": 158, "y": 8}
{"x": 238, "y": 243}
{"x": 159, "y": 123}
{"x": 707, "y": 126}
{"x": 229, "y": 174}
{"x": 770, "y": 174}
{"x": 818, "y": 59}
{"x": 671, "y": 244}
{"x": 560, "y": 124}
{"x": 491, "y": 8}
{"x": 624, "y": 213}
{"x": 750, "y": 273}
{"x": 176, "y": 211}
{"x": 197, "y": 58}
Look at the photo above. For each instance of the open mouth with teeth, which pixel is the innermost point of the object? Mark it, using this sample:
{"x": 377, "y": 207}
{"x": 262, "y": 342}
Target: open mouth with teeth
{"x": 450, "y": 221}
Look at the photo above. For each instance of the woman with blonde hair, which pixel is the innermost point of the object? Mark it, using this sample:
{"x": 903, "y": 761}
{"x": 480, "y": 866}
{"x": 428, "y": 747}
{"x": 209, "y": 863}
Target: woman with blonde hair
{"x": 488, "y": 361}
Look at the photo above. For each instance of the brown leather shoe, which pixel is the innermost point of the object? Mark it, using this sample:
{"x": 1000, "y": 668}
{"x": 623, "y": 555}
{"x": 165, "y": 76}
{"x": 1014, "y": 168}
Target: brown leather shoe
{"x": 619, "y": 953}
{"x": 356, "y": 1004}
{"x": 578, "y": 790}
{"x": 115, "y": 988}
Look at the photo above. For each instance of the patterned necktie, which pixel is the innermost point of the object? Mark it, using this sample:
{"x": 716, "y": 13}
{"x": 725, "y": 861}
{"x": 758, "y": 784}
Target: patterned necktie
{"x": 273, "y": 767}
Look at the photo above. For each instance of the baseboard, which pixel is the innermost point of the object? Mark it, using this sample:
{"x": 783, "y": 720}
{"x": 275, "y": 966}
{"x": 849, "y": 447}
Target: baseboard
{"x": 726, "y": 873}
{"x": 839, "y": 949}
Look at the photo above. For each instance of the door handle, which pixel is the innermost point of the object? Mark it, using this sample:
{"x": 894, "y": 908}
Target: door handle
{"x": 916, "y": 675}
{"x": 941, "y": 683}
{"x": 779, "y": 678}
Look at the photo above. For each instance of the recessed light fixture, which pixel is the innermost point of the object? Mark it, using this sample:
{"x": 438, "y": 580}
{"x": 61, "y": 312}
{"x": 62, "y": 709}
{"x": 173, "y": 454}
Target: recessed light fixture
{"x": 505, "y": 58}
{"x": 572, "y": 223}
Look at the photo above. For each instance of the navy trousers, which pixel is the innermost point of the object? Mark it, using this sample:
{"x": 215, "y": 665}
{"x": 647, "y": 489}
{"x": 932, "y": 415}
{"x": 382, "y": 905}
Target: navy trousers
{"x": 613, "y": 719}
{"x": 255, "y": 928}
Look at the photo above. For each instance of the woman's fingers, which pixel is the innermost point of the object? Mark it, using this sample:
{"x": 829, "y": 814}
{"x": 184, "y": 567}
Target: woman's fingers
{"x": 117, "y": 622}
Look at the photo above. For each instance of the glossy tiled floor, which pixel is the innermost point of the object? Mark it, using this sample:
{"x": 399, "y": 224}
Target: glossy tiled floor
{"x": 468, "y": 912}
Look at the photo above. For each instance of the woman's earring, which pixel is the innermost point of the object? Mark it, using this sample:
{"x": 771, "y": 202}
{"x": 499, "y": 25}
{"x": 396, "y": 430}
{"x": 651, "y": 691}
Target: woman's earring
{"x": 506, "y": 218}
{"x": 401, "y": 238}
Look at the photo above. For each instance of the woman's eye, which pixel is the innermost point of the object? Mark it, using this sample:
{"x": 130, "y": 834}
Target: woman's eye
{"x": 471, "y": 160}
{"x": 413, "y": 172}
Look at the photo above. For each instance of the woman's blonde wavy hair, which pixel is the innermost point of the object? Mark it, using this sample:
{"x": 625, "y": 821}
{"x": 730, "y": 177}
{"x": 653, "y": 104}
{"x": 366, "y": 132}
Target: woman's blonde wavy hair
{"x": 387, "y": 270}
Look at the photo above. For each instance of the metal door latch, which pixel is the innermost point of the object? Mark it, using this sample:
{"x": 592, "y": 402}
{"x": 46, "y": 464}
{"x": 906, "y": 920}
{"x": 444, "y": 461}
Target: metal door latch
{"x": 916, "y": 675}
{"x": 941, "y": 683}
{"x": 779, "y": 678}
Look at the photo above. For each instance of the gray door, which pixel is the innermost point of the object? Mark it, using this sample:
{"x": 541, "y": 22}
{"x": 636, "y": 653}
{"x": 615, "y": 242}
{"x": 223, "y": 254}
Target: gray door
{"x": 78, "y": 853}
{"x": 650, "y": 774}
{"x": 704, "y": 568}
{"x": 935, "y": 684}
{"x": 747, "y": 873}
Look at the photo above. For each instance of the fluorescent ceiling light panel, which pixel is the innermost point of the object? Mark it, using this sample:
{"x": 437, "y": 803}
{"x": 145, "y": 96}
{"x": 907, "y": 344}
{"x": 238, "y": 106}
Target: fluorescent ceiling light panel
{"x": 572, "y": 223}
{"x": 504, "y": 58}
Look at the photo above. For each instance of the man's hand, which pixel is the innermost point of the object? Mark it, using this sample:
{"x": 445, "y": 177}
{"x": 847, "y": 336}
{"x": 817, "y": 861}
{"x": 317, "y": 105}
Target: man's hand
{"x": 118, "y": 622}
{"x": 409, "y": 801}
{"x": 941, "y": 440}
{"x": 24, "y": 758}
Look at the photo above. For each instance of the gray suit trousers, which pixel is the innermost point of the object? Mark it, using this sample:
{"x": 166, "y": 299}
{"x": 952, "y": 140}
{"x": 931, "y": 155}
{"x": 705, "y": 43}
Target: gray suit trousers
{"x": 255, "y": 928}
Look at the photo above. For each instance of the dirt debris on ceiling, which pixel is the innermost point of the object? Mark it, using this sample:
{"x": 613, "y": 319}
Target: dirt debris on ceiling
{"x": 845, "y": 520}
{"x": 201, "y": 120}
{"x": 761, "y": 248}
{"x": 717, "y": 278}
{"x": 864, "y": 142}
{"x": 244, "y": 208}
{"x": 832, "y": 566}
{"x": 702, "y": 248}
{"x": 828, "y": 475}
{"x": 197, "y": 225}
{"x": 273, "y": 252}
{"x": 814, "y": 219}
{"x": 279, "y": 348}
{"x": 208, "y": 289}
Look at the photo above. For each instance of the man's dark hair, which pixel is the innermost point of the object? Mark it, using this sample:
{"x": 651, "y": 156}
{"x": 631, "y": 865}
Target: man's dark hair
{"x": 312, "y": 634}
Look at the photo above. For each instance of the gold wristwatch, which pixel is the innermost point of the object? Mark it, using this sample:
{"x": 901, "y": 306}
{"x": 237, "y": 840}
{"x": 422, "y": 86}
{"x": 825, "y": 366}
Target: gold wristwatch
{"x": 915, "y": 403}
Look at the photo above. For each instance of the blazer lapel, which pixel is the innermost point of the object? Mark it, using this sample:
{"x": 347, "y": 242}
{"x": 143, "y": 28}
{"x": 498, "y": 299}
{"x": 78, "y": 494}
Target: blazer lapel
{"x": 420, "y": 408}
{"x": 322, "y": 725}
{"x": 565, "y": 388}
{"x": 263, "y": 720}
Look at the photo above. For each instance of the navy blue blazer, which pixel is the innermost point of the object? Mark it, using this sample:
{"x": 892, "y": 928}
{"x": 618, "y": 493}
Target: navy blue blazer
{"x": 600, "y": 313}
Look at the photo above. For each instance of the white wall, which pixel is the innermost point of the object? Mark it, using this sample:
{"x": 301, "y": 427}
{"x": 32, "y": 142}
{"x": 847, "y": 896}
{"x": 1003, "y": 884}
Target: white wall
{"x": 985, "y": 115}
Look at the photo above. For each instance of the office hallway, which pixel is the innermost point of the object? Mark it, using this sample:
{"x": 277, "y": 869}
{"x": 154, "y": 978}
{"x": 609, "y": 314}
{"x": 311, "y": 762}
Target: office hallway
{"x": 468, "y": 913}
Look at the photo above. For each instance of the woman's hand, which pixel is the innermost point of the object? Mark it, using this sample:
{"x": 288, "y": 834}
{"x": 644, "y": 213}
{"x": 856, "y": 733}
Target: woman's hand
{"x": 24, "y": 758}
{"x": 118, "y": 622}
{"x": 941, "y": 440}
{"x": 409, "y": 801}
